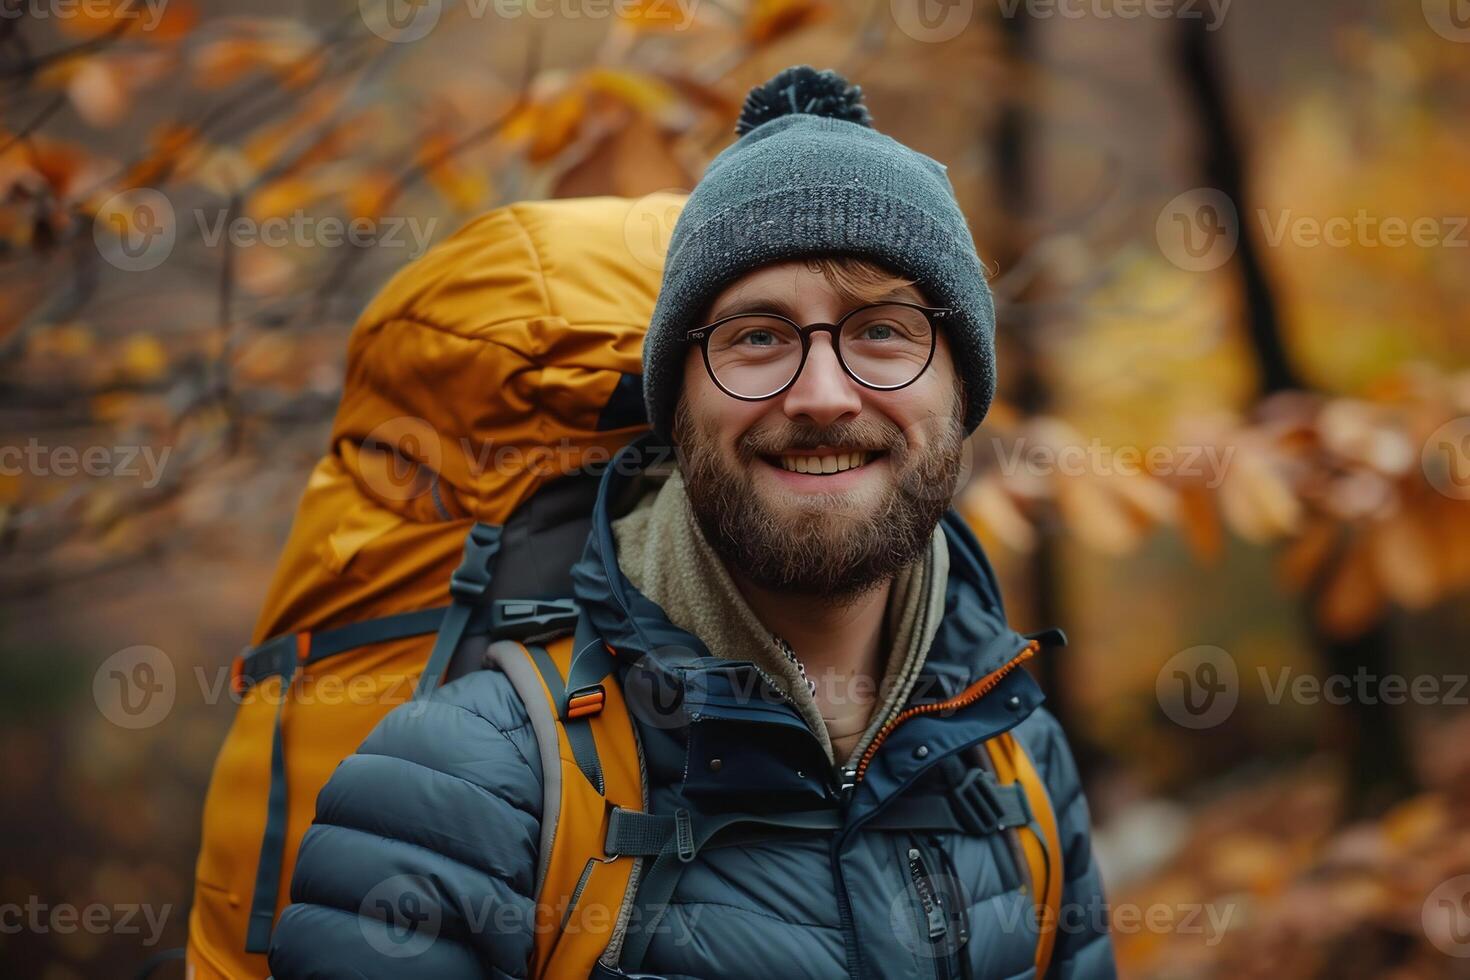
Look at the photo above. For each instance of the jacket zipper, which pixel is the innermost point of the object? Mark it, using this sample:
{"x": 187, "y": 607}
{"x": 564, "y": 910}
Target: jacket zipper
{"x": 852, "y": 775}
{"x": 935, "y": 924}
{"x": 966, "y": 697}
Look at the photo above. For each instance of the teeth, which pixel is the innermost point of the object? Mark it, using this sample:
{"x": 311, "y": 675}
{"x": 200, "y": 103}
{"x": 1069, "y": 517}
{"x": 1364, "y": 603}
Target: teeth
{"x": 835, "y": 463}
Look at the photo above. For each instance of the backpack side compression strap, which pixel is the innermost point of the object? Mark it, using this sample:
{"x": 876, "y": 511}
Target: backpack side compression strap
{"x": 582, "y": 891}
{"x": 1040, "y": 841}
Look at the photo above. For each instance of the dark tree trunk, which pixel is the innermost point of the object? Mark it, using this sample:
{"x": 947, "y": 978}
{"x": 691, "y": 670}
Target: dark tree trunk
{"x": 1378, "y": 760}
{"x": 1015, "y": 190}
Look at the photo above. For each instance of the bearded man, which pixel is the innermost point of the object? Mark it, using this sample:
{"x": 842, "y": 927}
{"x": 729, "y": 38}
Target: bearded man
{"x": 821, "y": 346}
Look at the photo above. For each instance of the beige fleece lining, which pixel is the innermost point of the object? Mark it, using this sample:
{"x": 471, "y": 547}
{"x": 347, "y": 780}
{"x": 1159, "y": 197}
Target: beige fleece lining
{"x": 663, "y": 552}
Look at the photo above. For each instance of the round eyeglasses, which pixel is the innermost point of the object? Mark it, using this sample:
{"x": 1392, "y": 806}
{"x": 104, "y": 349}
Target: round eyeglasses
{"x": 884, "y": 346}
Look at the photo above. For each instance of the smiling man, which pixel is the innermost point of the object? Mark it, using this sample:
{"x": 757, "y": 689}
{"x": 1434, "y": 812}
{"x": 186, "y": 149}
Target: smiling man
{"x": 821, "y": 346}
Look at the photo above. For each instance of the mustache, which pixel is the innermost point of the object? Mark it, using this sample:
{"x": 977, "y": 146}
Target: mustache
{"x": 872, "y": 435}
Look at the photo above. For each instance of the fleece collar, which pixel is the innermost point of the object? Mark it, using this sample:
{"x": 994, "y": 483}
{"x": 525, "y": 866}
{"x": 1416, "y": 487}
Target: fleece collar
{"x": 665, "y": 555}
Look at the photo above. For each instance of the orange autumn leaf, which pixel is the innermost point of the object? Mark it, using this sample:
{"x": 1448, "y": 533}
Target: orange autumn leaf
{"x": 1304, "y": 557}
{"x": 1352, "y": 600}
{"x": 1200, "y": 523}
{"x": 1095, "y": 515}
{"x": 1403, "y": 559}
{"x": 548, "y": 127}
{"x": 170, "y": 146}
{"x": 368, "y": 193}
{"x": 769, "y": 20}
{"x": 986, "y": 503}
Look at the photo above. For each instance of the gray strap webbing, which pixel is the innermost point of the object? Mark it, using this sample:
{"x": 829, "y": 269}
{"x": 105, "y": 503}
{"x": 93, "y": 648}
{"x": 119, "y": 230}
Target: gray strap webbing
{"x": 579, "y": 732}
{"x": 467, "y": 587}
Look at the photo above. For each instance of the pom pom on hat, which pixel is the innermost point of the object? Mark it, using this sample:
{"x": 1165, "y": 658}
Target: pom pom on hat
{"x": 802, "y": 88}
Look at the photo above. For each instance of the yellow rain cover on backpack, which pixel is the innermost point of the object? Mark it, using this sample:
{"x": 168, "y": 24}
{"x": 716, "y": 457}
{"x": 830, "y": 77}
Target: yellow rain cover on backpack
{"x": 521, "y": 334}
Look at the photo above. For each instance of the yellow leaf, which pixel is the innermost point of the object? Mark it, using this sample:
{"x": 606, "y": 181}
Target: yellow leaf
{"x": 987, "y": 503}
{"x": 282, "y": 197}
{"x": 143, "y": 357}
{"x": 642, "y": 92}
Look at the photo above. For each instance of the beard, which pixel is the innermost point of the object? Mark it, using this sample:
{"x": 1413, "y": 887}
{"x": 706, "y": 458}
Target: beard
{"x": 835, "y": 547}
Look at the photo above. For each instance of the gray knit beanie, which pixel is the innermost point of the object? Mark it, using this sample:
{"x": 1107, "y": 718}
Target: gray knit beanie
{"x": 810, "y": 176}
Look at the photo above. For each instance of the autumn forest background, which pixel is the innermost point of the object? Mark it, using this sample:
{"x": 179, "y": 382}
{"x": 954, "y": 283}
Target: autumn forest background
{"x": 1230, "y": 245}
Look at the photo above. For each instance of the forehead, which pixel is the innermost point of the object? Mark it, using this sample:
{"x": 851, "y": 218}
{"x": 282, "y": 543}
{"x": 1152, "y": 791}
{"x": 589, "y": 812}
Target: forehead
{"x": 782, "y": 286}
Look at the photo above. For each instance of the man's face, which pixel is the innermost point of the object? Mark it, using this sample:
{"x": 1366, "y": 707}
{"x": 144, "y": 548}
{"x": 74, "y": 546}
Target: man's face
{"x": 833, "y": 535}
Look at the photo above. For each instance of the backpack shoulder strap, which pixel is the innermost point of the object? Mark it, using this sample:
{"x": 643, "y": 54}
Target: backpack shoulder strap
{"x": 591, "y": 763}
{"x": 1040, "y": 841}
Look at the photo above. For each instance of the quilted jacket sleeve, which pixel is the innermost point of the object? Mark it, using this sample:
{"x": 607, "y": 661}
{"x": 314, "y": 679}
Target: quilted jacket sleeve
{"x": 422, "y": 858}
{"x": 1083, "y": 947}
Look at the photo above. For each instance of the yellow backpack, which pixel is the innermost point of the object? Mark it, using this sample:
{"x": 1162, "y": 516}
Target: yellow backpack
{"x": 508, "y": 355}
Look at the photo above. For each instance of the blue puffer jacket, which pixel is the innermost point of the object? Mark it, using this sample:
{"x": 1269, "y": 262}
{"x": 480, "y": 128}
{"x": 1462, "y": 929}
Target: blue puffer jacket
{"x": 449, "y": 790}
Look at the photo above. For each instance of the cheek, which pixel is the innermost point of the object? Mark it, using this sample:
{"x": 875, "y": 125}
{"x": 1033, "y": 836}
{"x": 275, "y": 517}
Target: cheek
{"x": 723, "y": 419}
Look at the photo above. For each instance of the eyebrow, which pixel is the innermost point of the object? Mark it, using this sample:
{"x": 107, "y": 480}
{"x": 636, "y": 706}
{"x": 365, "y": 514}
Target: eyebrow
{"x": 781, "y": 307}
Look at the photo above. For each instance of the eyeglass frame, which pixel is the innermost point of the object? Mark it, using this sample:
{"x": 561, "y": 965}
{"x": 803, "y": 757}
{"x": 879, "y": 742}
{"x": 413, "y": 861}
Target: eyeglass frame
{"x": 931, "y": 313}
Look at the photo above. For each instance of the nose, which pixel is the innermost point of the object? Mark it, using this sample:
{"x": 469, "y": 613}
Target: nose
{"x": 823, "y": 392}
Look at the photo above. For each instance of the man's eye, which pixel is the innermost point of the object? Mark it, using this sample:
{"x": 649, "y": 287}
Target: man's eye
{"x": 757, "y": 338}
{"x": 879, "y": 331}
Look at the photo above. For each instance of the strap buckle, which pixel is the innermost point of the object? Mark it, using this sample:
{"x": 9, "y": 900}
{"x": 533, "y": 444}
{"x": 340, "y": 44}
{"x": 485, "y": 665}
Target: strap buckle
{"x": 983, "y": 808}
{"x": 471, "y": 580}
{"x": 586, "y": 701}
{"x": 684, "y": 835}
{"x": 519, "y": 619}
